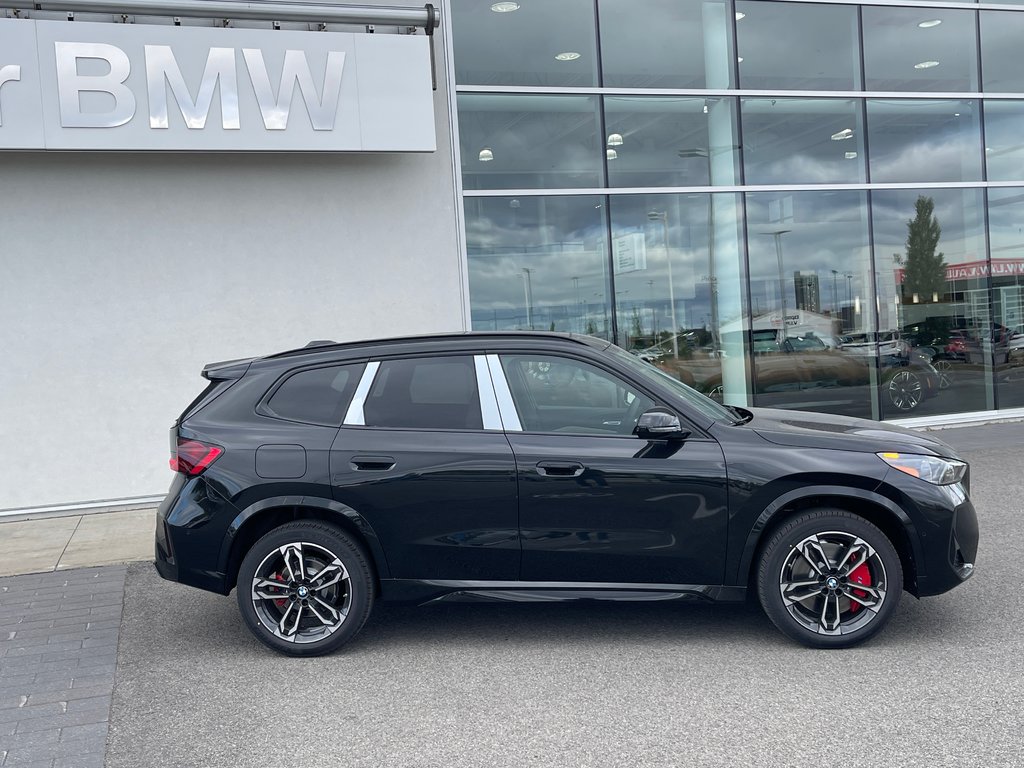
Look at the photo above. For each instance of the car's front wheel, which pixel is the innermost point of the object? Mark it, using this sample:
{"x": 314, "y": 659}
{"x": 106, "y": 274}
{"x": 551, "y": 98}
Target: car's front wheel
{"x": 305, "y": 588}
{"x": 829, "y": 579}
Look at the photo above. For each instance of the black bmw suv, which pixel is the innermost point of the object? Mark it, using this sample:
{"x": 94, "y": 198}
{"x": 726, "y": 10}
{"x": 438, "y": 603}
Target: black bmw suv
{"x": 522, "y": 466}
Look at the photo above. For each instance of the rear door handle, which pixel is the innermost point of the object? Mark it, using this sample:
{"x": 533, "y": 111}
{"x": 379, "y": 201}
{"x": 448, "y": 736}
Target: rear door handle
{"x": 373, "y": 463}
{"x": 560, "y": 468}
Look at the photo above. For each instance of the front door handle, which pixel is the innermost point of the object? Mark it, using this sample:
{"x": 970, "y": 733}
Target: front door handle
{"x": 560, "y": 468}
{"x": 373, "y": 463}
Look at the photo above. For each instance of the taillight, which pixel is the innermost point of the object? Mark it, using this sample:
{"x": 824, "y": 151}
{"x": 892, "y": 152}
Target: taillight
{"x": 192, "y": 457}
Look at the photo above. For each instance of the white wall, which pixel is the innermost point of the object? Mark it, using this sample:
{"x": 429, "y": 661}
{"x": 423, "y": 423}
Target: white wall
{"x": 121, "y": 275}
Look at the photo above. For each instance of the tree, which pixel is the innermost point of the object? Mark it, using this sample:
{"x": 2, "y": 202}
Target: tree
{"x": 924, "y": 269}
{"x": 636, "y": 326}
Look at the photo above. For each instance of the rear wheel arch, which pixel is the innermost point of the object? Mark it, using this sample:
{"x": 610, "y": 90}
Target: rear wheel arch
{"x": 876, "y": 509}
{"x": 261, "y": 518}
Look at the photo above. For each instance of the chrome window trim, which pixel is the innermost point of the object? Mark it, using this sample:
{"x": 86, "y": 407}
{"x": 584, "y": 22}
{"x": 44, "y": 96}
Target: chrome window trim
{"x": 354, "y": 417}
{"x": 489, "y": 410}
{"x": 506, "y": 405}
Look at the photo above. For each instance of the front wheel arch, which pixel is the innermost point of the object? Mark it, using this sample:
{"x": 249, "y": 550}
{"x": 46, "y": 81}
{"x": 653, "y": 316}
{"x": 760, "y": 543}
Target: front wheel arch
{"x": 876, "y": 509}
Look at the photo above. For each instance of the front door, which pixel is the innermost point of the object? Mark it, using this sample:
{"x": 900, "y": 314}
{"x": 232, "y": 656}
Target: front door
{"x": 597, "y": 504}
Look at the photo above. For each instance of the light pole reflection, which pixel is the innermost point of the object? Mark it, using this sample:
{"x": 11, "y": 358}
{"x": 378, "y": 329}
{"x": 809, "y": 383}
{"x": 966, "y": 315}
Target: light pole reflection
{"x": 777, "y": 234}
{"x": 663, "y": 217}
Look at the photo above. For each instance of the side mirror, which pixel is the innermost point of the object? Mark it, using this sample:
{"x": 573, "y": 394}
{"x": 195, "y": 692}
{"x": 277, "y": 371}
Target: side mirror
{"x": 659, "y": 424}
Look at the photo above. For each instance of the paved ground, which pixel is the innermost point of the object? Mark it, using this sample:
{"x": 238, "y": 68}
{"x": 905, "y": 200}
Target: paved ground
{"x": 540, "y": 685}
{"x": 57, "y": 659}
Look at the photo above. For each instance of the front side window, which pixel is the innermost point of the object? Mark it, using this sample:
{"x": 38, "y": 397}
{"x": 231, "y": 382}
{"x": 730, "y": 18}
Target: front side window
{"x": 557, "y": 394}
{"x": 425, "y": 393}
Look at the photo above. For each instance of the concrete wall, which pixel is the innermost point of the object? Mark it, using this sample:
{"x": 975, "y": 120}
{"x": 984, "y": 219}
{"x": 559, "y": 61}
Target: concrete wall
{"x": 121, "y": 275}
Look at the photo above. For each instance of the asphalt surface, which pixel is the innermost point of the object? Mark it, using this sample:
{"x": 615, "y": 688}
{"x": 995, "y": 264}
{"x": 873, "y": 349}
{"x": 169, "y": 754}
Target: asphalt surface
{"x": 592, "y": 684}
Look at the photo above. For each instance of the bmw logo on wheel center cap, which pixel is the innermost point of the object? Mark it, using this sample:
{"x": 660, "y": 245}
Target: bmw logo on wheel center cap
{"x": 833, "y": 582}
{"x": 302, "y": 592}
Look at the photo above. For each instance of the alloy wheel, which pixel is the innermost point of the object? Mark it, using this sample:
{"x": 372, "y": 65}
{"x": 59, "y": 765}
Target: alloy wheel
{"x": 906, "y": 390}
{"x": 833, "y": 583}
{"x": 301, "y": 592}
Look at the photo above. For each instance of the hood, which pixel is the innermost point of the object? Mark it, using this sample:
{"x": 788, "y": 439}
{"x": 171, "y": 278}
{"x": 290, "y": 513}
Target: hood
{"x": 823, "y": 430}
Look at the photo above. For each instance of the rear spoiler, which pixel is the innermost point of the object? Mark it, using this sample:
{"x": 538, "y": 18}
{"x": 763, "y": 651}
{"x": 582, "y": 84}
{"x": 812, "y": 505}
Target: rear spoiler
{"x": 227, "y": 369}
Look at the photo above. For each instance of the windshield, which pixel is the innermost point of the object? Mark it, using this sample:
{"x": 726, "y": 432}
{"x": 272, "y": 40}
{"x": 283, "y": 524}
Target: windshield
{"x": 702, "y": 403}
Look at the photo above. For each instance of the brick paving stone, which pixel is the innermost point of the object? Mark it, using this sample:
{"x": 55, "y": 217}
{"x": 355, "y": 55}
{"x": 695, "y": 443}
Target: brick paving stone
{"x": 58, "y": 656}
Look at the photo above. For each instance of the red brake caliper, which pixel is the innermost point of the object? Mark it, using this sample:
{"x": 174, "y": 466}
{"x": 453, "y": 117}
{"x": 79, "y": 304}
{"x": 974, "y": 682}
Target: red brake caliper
{"x": 283, "y": 601}
{"x": 859, "y": 575}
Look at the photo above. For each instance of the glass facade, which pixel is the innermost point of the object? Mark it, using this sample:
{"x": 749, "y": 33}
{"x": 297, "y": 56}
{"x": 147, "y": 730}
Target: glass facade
{"x": 806, "y": 205}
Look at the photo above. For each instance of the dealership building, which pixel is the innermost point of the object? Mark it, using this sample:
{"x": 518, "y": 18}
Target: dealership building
{"x": 809, "y": 205}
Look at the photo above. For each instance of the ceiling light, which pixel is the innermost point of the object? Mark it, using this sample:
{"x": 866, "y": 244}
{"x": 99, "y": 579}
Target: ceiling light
{"x": 956, "y": 114}
{"x": 850, "y": 155}
{"x": 705, "y": 109}
{"x": 611, "y": 154}
{"x": 485, "y": 155}
{"x": 740, "y": 15}
{"x": 567, "y": 56}
{"x": 614, "y": 139}
{"x": 739, "y": 59}
{"x": 930, "y": 23}
{"x": 846, "y": 133}
{"x": 926, "y": 65}
{"x": 505, "y": 7}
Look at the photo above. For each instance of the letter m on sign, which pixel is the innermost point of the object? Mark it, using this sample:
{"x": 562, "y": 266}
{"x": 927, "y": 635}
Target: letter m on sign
{"x": 162, "y": 70}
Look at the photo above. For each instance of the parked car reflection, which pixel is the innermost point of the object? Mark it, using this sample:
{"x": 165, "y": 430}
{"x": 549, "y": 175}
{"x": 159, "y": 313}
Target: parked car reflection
{"x": 805, "y": 371}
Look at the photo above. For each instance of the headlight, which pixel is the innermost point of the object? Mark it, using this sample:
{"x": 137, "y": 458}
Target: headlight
{"x": 931, "y": 469}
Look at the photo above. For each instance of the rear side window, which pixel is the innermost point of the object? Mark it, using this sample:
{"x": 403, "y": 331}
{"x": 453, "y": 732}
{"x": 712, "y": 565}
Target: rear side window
{"x": 425, "y": 393}
{"x": 317, "y": 396}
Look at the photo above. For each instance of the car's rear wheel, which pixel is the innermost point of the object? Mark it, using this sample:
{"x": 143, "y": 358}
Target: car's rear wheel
{"x": 829, "y": 579}
{"x": 305, "y": 588}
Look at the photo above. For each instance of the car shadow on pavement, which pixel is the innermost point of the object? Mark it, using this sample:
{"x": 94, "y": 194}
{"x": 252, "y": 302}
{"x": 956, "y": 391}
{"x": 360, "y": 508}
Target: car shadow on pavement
{"x": 190, "y": 619}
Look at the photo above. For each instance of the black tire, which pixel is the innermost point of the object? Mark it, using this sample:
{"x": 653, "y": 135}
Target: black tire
{"x": 305, "y": 588}
{"x": 833, "y": 614}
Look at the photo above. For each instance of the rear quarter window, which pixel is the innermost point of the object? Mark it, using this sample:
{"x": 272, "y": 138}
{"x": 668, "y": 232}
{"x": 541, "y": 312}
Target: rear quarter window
{"x": 315, "y": 396}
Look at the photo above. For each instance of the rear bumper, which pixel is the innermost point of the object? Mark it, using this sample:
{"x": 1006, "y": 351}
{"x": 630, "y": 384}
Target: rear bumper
{"x": 189, "y": 531}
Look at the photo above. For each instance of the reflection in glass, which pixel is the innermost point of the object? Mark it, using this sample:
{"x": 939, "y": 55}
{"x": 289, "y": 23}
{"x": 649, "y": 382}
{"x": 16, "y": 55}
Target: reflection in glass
{"x": 517, "y": 142}
{"x": 931, "y": 272}
{"x": 538, "y": 263}
{"x": 906, "y": 50}
{"x": 1001, "y": 36}
{"x": 813, "y": 319}
{"x": 1004, "y": 141}
{"x": 924, "y": 140}
{"x": 665, "y": 44}
{"x": 1006, "y": 239}
{"x": 668, "y": 141}
{"x": 520, "y": 47}
{"x": 678, "y": 275}
{"x": 798, "y": 46}
{"x": 802, "y": 141}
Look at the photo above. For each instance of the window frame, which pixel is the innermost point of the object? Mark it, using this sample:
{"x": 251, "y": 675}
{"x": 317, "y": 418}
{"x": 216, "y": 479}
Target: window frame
{"x": 657, "y": 400}
{"x": 355, "y": 417}
{"x": 263, "y": 405}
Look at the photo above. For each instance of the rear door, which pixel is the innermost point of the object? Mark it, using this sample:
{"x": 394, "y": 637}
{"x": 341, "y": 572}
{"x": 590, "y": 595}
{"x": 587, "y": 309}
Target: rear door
{"x": 422, "y": 456}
